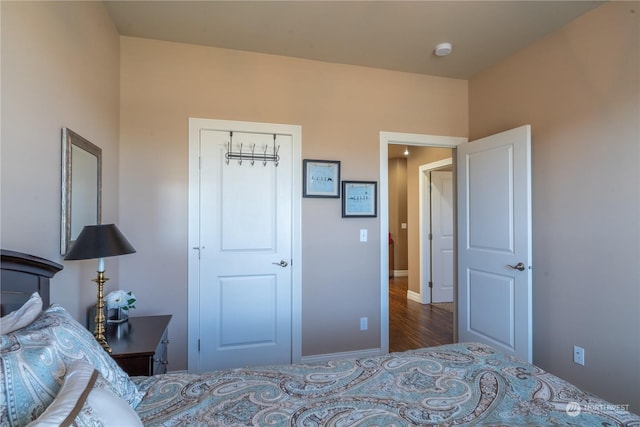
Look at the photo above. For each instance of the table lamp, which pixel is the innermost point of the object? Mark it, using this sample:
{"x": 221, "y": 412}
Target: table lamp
{"x": 100, "y": 241}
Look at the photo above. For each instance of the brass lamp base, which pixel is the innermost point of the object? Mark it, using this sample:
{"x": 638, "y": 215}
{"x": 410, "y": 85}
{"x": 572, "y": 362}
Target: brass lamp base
{"x": 99, "y": 330}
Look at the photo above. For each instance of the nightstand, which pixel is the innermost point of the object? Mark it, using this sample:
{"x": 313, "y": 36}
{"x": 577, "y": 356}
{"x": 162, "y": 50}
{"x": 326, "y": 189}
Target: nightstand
{"x": 139, "y": 346}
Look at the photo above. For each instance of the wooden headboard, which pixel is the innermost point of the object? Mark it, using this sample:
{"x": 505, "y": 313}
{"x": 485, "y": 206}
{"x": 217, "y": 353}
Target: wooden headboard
{"x": 21, "y": 276}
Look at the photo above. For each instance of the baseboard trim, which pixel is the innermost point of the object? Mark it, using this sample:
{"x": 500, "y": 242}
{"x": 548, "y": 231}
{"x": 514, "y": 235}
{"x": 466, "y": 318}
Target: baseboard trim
{"x": 372, "y": 352}
{"x": 414, "y": 296}
{"x": 400, "y": 273}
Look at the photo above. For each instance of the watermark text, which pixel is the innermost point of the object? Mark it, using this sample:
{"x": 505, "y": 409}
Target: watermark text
{"x": 574, "y": 409}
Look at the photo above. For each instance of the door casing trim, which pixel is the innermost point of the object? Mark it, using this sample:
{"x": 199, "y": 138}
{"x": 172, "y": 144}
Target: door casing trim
{"x": 387, "y": 138}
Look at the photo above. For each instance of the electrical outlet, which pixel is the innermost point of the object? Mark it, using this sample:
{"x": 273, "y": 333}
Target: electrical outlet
{"x": 364, "y": 323}
{"x": 578, "y": 355}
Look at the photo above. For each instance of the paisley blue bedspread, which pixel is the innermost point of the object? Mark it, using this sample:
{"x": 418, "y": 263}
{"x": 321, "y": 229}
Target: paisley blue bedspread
{"x": 458, "y": 384}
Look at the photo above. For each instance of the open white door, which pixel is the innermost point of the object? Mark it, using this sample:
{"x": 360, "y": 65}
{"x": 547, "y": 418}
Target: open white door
{"x": 494, "y": 241}
{"x": 442, "y": 232}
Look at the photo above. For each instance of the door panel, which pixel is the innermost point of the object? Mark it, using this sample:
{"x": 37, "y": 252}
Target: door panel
{"x": 495, "y": 291}
{"x": 491, "y": 206}
{"x": 245, "y": 295}
{"x": 238, "y": 293}
{"x": 242, "y": 187}
{"x": 494, "y": 232}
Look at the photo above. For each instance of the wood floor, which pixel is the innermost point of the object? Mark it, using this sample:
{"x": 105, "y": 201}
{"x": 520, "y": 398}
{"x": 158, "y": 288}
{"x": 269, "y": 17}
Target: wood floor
{"x": 414, "y": 325}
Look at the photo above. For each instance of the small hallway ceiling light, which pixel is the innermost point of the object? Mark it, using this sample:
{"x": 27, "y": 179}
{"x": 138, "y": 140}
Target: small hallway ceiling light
{"x": 406, "y": 151}
{"x": 443, "y": 49}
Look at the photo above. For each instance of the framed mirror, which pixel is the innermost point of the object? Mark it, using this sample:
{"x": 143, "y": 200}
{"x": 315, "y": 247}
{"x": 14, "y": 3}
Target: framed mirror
{"x": 81, "y": 186}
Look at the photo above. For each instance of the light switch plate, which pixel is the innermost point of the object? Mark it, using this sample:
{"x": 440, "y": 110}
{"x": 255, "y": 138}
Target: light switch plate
{"x": 578, "y": 355}
{"x": 363, "y": 235}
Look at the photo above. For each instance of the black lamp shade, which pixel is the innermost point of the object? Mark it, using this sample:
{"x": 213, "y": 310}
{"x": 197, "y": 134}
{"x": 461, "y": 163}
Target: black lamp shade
{"x": 99, "y": 241}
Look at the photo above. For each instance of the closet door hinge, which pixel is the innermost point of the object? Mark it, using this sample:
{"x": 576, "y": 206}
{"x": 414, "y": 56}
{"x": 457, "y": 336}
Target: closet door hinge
{"x": 430, "y": 284}
{"x": 430, "y": 236}
{"x": 198, "y": 344}
{"x": 198, "y": 248}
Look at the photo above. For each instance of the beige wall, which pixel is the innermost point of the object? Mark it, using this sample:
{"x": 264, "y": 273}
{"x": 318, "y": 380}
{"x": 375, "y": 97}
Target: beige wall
{"x": 580, "y": 89}
{"x": 398, "y": 212}
{"x": 60, "y": 65}
{"x": 341, "y": 110}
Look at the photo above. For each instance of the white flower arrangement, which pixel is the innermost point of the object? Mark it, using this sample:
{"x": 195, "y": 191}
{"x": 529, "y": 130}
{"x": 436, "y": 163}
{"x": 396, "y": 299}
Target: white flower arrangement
{"x": 121, "y": 299}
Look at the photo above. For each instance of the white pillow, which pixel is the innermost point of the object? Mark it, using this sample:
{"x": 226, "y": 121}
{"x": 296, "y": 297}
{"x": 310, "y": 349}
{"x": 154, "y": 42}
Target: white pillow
{"x": 23, "y": 316}
{"x": 85, "y": 400}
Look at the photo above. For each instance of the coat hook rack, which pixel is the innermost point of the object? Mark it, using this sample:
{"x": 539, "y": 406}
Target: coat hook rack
{"x": 276, "y": 150}
{"x": 273, "y": 156}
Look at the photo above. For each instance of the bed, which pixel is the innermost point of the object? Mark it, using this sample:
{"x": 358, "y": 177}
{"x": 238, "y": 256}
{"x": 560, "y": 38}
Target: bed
{"x": 52, "y": 367}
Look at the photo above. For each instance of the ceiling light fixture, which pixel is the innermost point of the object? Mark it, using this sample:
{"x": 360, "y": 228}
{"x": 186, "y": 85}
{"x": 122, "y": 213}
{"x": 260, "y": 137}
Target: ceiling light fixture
{"x": 406, "y": 151}
{"x": 443, "y": 49}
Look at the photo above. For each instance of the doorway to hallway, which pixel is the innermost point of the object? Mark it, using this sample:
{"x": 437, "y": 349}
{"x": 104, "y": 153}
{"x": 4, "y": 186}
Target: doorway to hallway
{"x": 390, "y": 140}
{"x": 414, "y": 325}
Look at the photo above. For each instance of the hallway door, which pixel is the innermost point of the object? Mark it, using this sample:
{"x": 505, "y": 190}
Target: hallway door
{"x": 442, "y": 236}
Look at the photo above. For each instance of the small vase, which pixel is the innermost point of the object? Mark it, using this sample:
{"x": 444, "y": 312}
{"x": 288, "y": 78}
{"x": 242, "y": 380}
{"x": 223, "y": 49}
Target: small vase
{"x": 117, "y": 315}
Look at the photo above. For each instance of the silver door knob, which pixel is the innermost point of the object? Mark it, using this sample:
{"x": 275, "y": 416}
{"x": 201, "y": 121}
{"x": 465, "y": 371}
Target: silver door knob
{"x": 282, "y": 263}
{"x": 519, "y": 266}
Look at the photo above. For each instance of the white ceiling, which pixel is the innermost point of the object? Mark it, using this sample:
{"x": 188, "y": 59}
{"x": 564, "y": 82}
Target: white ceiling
{"x": 393, "y": 35}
